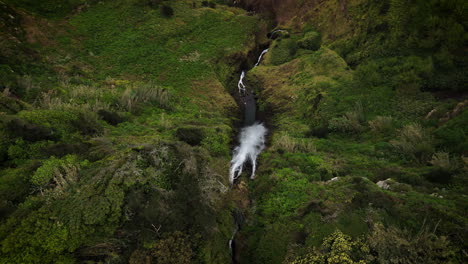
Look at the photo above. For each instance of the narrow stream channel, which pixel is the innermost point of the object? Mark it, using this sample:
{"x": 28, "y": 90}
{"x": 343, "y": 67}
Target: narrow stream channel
{"x": 251, "y": 144}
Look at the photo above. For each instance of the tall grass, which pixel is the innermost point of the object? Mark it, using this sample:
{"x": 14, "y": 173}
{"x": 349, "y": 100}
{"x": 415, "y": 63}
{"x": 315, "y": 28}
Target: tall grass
{"x": 414, "y": 142}
{"x": 291, "y": 144}
{"x": 134, "y": 97}
{"x": 81, "y": 98}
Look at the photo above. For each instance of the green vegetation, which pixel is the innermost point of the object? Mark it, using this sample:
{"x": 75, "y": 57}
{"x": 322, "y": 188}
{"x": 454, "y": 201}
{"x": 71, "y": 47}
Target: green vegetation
{"x": 117, "y": 123}
{"x": 94, "y": 168}
{"x": 349, "y": 114}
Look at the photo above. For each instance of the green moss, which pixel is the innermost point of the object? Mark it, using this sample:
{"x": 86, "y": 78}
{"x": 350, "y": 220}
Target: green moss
{"x": 311, "y": 41}
{"x": 282, "y": 50}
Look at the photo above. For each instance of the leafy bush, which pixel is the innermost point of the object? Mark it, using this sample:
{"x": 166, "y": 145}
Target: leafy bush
{"x": 311, "y": 41}
{"x": 63, "y": 171}
{"x": 337, "y": 248}
{"x": 20, "y": 150}
{"x": 414, "y": 142}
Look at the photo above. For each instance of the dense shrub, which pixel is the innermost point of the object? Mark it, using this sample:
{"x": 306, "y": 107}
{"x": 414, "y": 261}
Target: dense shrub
{"x": 337, "y": 248}
{"x": 28, "y": 131}
{"x": 63, "y": 171}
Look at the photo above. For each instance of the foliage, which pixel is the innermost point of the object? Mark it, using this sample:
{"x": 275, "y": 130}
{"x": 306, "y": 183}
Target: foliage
{"x": 62, "y": 171}
{"x": 338, "y": 248}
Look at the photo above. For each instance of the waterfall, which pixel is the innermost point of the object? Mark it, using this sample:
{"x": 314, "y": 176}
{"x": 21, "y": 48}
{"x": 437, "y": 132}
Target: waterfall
{"x": 252, "y": 142}
{"x": 260, "y": 57}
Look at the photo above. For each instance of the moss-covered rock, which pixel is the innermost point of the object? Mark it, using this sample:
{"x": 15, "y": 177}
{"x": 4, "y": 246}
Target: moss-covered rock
{"x": 282, "y": 51}
{"x": 311, "y": 41}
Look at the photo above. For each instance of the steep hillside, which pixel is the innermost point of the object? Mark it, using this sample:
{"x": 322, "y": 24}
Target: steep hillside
{"x": 367, "y": 158}
{"x": 115, "y": 130}
{"x": 118, "y": 120}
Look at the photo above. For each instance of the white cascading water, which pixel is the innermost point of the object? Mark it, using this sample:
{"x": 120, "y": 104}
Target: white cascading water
{"x": 241, "y": 84}
{"x": 260, "y": 57}
{"x": 252, "y": 142}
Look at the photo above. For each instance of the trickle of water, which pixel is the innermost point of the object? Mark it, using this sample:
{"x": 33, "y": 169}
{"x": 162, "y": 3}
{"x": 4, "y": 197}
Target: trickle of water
{"x": 260, "y": 57}
{"x": 252, "y": 142}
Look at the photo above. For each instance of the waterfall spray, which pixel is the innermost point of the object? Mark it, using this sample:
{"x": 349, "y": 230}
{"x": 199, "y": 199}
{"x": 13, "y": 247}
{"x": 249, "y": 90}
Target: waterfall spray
{"x": 252, "y": 142}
